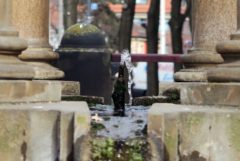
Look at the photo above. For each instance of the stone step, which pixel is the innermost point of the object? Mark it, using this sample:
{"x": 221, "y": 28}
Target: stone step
{"x": 18, "y": 91}
{"x": 206, "y": 133}
{"x": 219, "y": 94}
{"x": 44, "y": 131}
{"x": 196, "y": 93}
{"x": 91, "y": 100}
{"x": 70, "y": 88}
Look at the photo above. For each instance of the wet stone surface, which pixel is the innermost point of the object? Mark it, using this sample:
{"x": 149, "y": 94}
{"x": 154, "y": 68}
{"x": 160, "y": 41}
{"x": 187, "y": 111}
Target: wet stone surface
{"x": 130, "y": 126}
{"x": 119, "y": 138}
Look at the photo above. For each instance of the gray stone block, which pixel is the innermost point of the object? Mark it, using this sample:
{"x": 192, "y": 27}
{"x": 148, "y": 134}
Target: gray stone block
{"x": 190, "y": 133}
{"x": 222, "y": 94}
{"x": 44, "y": 140}
{"x": 43, "y": 131}
{"x": 70, "y": 88}
{"x": 16, "y": 91}
{"x": 28, "y": 135}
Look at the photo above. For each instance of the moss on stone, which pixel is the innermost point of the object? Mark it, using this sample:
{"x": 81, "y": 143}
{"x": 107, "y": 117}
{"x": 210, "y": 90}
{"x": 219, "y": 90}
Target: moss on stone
{"x": 173, "y": 95}
{"x": 171, "y": 143}
{"x": 91, "y": 100}
{"x": 10, "y": 133}
{"x": 235, "y": 133}
{"x": 193, "y": 120}
{"x": 81, "y": 30}
{"x": 81, "y": 119}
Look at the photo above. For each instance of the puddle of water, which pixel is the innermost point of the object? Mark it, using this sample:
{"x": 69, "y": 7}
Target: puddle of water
{"x": 121, "y": 128}
{"x": 119, "y": 138}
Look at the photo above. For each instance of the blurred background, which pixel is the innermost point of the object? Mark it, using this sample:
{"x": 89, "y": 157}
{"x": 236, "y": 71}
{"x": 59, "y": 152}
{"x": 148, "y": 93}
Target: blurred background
{"x": 173, "y": 31}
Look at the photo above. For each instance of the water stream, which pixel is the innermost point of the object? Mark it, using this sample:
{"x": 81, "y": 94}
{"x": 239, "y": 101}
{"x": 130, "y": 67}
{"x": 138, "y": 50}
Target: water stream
{"x": 119, "y": 132}
{"x": 127, "y": 61}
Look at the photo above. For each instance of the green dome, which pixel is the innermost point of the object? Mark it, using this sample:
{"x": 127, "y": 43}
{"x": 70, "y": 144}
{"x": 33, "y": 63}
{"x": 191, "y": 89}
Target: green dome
{"x": 84, "y": 36}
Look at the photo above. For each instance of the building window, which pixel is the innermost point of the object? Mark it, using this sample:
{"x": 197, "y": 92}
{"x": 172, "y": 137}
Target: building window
{"x": 141, "y": 1}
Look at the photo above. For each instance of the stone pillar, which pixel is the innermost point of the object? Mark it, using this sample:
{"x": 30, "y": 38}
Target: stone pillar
{"x": 10, "y": 42}
{"x": 213, "y": 21}
{"x": 230, "y": 51}
{"x": 31, "y": 18}
{"x": 11, "y": 46}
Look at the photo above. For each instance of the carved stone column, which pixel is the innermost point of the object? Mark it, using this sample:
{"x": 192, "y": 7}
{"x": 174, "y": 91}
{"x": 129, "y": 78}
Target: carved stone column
{"x": 213, "y": 21}
{"x": 11, "y": 46}
{"x": 31, "y": 18}
{"x": 230, "y": 51}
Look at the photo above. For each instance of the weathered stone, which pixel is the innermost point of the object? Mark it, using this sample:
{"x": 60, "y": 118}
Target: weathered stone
{"x": 211, "y": 94}
{"x": 228, "y": 47}
{"x": 9, "y": 41}
{"x": 213, "y": 21}
{"x": 11, "y": 44}
{"x": 34, "y": 28}
{"x": 91, "y": 100}
{"x": 148, "y": 100}
{"x": 230, "y": 51}
{"x": 165, "y": 86}
{"x": 44, "y": 142}
{"x": 170, "y": 95}
{"x": 11, "y": 67}
{"x": 48, "y": 129}
{"x": 190, "y": 76}
{"x": 201, "y": 57}
{"x": 43, "y": 70}
{"x": 70, "y": 88}
{"x": 66, "y": 136}
{"x": 12, "y": 138}
{"x": 74, "y": 130}
{"x": 224, "y": 75}
{"x": 29, "y": 91}
{"x": 81, "y": 138}
{"x": 194, "y": 133}
{"x": 28, "y": 135}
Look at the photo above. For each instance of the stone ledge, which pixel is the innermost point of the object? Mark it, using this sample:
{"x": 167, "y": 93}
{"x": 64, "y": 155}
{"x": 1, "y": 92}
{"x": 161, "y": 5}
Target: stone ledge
{"x": 165, "y": 86}
{"x": 70, "y": 88}
{"x": 181, "y": 132}
{"x": 222, "y": 94}
{"x": 16, "y": 91}
{"x": 193, "y": 76}
{"x": 228, "y": 47}
{"x": 231, "y": 74}
{"x": 202, "y": 57}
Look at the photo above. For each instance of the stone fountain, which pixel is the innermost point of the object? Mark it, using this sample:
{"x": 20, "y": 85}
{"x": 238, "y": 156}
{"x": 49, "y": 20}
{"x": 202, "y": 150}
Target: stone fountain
{"x": 36, "y": 125}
